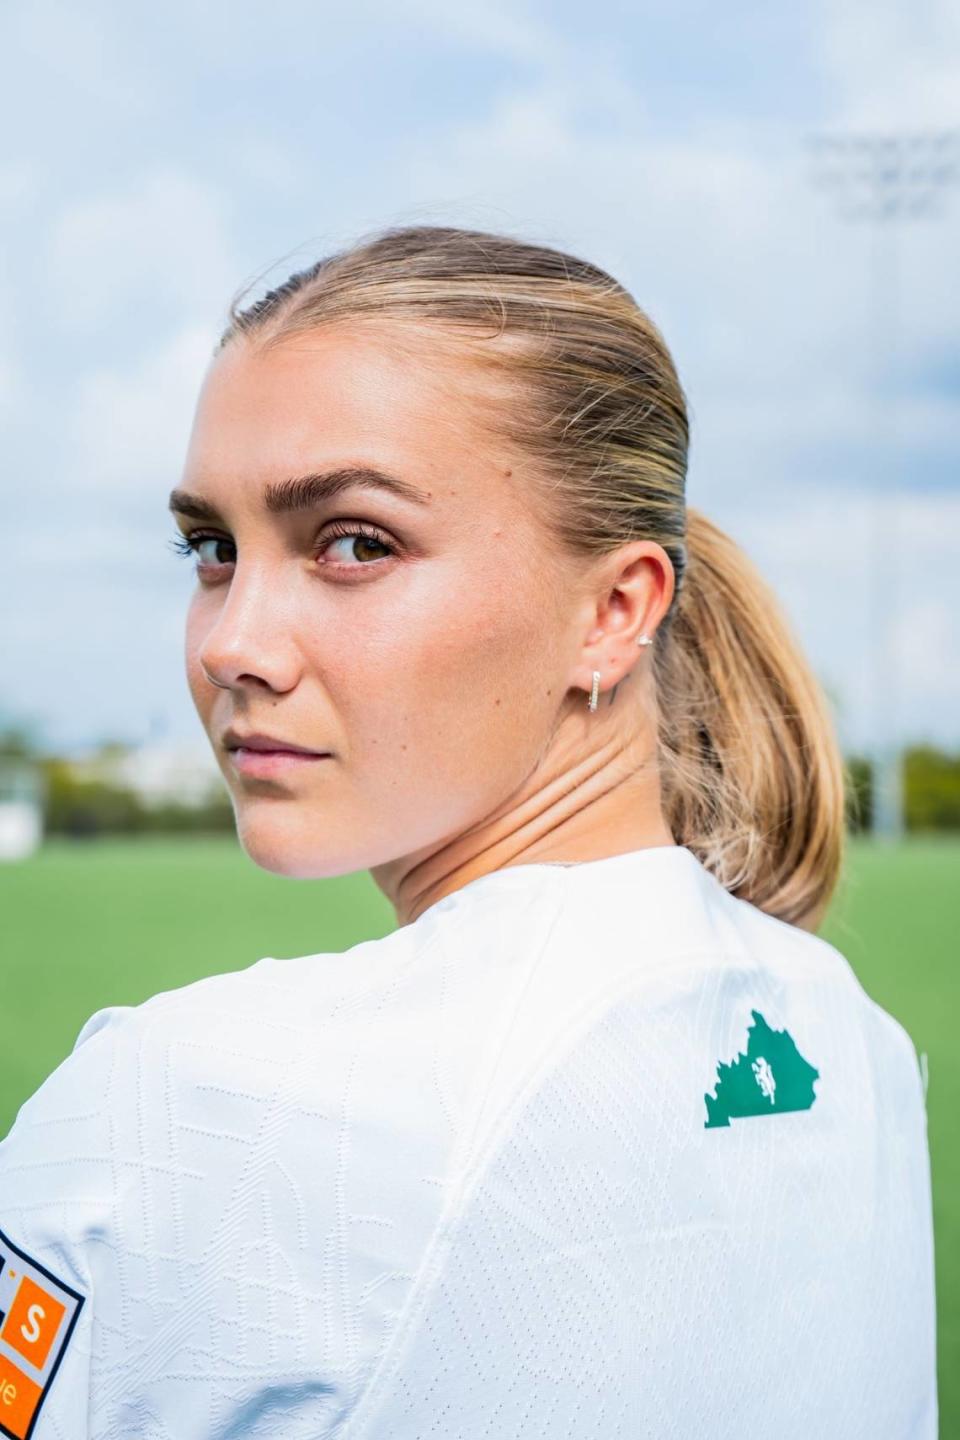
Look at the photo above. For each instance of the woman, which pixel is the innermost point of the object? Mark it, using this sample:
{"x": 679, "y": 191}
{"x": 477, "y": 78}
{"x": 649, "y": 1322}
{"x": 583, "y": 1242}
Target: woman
{"x": 625, "y": 1150}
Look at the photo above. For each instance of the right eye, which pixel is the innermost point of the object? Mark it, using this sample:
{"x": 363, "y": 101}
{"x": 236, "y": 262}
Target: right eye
{"x": 190, "y": 545}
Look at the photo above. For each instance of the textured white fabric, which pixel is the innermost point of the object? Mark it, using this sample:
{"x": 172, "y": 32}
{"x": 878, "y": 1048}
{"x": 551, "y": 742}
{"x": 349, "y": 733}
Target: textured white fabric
{"x": 458, "y": 1182}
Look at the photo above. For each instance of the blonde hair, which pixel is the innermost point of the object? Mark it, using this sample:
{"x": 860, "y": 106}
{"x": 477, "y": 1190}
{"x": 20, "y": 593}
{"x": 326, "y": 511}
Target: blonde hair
{"x": 752, "y": 780}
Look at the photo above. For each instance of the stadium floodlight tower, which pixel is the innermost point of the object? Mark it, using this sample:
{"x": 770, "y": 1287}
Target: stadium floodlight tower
{"x": 886, "y": 179}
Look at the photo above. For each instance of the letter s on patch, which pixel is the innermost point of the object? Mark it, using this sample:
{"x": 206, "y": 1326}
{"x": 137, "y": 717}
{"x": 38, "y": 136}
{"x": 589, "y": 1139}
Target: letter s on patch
{"x": 38, "y": 1315}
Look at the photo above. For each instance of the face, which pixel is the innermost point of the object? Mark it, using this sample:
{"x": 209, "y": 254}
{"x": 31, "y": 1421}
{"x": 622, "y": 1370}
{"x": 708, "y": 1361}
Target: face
{"x": 416, "y": 645}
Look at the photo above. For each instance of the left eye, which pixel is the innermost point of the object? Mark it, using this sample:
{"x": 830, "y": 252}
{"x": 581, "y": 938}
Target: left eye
{"x": 342, "y": 530}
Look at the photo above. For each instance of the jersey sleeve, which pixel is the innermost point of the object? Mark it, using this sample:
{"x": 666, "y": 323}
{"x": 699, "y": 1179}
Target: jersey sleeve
{"x": 58, "y": 1188}
{"x": 155, "y": 1196}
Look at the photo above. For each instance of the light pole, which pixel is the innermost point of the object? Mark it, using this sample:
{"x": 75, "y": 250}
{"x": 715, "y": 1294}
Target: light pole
{"x": 886, "y": 179}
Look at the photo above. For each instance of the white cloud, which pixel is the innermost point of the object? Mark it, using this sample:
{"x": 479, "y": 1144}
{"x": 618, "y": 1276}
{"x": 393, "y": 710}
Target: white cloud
{"x": 269, "y": 165}
{"x": 112, "y": 658}
{"x": 768, "y": 301}
{"x": 927, "y": 635}
{"x": 12, "y": 384}
{"x": 130, "y": 428}
{"x": 162, "y": 242}
{"x": 871, "y": 586}
{"x": 494, "y": 28}
{"x": 74, "y": 49}
{"x": 11, "y": 389}
{"x": 19, "y": 185}
{"x": 892, "y": 65}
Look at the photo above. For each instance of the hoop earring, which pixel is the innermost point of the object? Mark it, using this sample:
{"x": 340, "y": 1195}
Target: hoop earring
{"x": 592, "y": 704}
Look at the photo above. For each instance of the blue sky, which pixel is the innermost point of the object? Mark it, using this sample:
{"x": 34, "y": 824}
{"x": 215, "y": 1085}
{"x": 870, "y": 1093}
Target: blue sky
{"x": 166, "y": 155}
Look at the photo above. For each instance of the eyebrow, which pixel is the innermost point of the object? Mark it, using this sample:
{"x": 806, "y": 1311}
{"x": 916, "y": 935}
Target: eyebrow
{"x": 305, "y": 492}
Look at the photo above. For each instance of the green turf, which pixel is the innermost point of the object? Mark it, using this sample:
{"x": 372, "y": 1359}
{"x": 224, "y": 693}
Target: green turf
{"x": 110, "y": 923}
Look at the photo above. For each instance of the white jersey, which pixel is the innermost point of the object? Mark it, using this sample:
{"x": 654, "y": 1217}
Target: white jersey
{"x": 585, "y": 1150}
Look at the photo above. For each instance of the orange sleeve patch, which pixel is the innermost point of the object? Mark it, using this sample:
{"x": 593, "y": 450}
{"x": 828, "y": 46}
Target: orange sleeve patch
{"x": 38, "y": 1313}
{"x": 20, "y": 1399}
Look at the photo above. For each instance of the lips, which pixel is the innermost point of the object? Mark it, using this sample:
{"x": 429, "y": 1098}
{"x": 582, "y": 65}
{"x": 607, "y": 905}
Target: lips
{"x": 273, "y": 764}
{"x": 267, "y": 744}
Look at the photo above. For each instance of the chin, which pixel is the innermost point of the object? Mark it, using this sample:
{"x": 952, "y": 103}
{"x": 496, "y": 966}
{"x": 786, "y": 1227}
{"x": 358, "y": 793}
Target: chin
{"x": 275, "y": 838}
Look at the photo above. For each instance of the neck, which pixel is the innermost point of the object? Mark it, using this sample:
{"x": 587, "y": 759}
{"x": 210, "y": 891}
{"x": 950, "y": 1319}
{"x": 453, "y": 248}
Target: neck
{"x": 571, "y": 809}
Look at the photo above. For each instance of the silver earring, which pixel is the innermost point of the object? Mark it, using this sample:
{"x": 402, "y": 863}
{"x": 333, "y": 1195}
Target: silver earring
{"x": 641, "y": 640}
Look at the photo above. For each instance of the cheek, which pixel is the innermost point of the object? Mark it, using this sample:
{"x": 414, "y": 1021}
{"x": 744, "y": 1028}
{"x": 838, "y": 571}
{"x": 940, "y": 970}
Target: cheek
{"x": 199, "y": 686}
{"x": 487, "y": 642}
{"x": 463, "y": 670}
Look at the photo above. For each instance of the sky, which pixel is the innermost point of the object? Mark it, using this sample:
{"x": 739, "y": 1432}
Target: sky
{"x": 166, "y": 156}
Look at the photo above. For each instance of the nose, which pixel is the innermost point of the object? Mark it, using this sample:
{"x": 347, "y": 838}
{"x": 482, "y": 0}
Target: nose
{"x": 251, "y": 640}
{"x": 213, "y": 681}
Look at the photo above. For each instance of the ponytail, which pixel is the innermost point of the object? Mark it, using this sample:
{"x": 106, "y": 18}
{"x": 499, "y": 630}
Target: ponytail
{"x": 752, "y": 777}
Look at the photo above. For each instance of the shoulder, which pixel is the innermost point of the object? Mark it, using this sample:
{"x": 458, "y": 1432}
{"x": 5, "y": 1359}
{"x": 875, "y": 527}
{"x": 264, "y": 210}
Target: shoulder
{"x": 177, "y": 1136}
{"x": 715, "y": 980}
{"x": 134, "y": 1072}
{"x": 810, "y": 961}
{"x": 214, "y": 1053}
{"x": 293, "y": 1126}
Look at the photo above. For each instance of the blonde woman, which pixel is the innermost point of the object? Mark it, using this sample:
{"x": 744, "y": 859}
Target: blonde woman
{"x": 602, "y": 1139}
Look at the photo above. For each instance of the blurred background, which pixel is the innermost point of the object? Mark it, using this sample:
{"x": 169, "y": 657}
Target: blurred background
{"x": 778, "y": 187}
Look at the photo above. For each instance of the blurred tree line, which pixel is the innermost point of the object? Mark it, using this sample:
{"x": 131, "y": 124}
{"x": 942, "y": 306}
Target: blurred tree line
{"x": 76, "y": 805}
{"x": 931, "y": 790}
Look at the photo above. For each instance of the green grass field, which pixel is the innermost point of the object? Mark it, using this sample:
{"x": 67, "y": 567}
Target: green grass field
{"x": 108, "y": 923}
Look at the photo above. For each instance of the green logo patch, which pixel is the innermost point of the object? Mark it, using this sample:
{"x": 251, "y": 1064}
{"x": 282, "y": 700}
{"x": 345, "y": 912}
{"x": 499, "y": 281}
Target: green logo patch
{"x": 771, "y": 1076}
